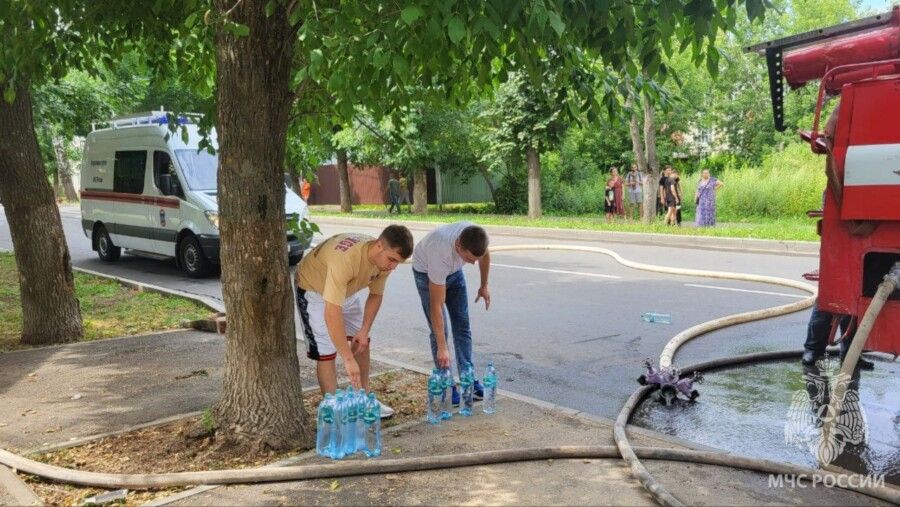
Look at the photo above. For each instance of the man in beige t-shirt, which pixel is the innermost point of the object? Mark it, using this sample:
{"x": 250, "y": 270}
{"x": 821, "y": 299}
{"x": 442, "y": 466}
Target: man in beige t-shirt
{"x": 329, "y": 281}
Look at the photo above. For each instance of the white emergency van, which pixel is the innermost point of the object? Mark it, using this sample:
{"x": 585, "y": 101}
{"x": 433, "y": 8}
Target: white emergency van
{"x": 145, "y": 190}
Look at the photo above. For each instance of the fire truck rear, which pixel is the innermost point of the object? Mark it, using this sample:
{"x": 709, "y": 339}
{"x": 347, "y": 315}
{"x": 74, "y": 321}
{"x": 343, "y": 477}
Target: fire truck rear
{"x": 857, "y": 64}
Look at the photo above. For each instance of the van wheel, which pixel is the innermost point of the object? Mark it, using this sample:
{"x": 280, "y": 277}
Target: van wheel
{"x": 107, "y": 251}
{"x": 192, "y": 258}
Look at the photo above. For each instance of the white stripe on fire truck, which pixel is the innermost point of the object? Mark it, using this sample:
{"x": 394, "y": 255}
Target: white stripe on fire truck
{"x": 872, "y": 164}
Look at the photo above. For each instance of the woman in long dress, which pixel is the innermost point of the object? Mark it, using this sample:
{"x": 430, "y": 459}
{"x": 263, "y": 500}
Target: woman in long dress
{"x": 616, "y": 183}
{"x": 706, "y": 199}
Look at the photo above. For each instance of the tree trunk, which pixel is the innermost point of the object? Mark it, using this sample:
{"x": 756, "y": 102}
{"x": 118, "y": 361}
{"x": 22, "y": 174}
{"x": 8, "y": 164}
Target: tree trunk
{"x": 420, "y": 191}
{"x": 533, "y": 161}
{"x": 652, "y": 163}
{"x": 63, "y": 168}
{"x": 50, "y": 310}
{"x": 261, "y": 396}
{"x": 490, "y": 183}
{"x": 645, "y": 155}
{"x": 344, "y": 182}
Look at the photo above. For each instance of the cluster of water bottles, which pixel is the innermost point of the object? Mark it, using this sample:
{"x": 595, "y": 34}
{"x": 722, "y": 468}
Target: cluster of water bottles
{"x": 348, "y": 422}
{"x": 440, "y": 389}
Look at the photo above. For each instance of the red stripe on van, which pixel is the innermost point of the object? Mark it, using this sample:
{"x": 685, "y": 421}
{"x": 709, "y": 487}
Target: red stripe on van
{"x": 102, "y": 195}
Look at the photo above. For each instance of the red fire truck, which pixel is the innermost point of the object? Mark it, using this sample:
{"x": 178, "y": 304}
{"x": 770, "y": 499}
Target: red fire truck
{"x": 857, "y": 64}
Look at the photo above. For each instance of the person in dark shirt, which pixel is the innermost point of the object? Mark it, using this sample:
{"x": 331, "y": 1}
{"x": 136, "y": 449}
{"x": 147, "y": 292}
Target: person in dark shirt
{"x": 670, "y": 195}
{"x": 661, "y": 193}
{"x": 394, "y": 193}
{"x": 678, "y": 191}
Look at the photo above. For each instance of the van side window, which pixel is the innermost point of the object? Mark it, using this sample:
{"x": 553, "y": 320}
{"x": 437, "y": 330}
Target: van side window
{"x": 162, "y": 164}
{"x": 128, "y": 172}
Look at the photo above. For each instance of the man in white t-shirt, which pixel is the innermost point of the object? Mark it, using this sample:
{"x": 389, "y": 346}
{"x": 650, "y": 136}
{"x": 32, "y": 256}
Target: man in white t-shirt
{"x": 437, "y": 268}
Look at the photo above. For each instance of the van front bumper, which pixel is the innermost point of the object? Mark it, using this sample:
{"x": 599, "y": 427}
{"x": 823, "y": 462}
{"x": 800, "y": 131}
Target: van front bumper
{"x": 212, "y": 245}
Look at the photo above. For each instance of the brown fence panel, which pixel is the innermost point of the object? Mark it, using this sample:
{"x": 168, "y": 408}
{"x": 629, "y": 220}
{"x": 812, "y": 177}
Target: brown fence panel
{"x": 368, "y": 185}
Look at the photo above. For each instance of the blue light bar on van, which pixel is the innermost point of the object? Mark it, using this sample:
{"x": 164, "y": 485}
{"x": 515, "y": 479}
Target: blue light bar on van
{"x": 164, "y": 120}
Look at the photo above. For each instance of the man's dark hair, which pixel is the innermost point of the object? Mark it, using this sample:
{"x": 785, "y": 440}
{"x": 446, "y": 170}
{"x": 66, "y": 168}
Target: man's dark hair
{"x": 399, "y": 238}
{"x": 474, "y": 240}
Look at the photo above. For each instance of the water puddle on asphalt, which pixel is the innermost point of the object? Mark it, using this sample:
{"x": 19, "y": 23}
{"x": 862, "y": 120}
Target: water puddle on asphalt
{"x": 769, "y": 411}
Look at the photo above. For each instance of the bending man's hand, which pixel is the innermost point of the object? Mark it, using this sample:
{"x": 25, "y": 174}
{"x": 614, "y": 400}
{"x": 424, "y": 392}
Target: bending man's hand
{"x": 352, "y": 368}
{"x": 483, "y": 292}
{"x": 359, "y": 342}
{"x": 443, "y": 357}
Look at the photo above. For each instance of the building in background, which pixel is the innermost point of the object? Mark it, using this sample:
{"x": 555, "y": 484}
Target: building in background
{"x": 368, "y": 185}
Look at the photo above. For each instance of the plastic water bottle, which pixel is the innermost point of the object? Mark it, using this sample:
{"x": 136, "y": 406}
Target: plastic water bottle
{"x": 447, "y": 396}
{"x": 435, "y": 392}
{"x": 361, "y": 400}
{"x": 489, "y": 405}
{"x": 659, "y": 318}
{"x": 325, "y": 427}
{"x": 350, "y": 426}
{"x": 372, "y": 421}
{"x": 340, "y": 420}
{"x": 467, "y": 388}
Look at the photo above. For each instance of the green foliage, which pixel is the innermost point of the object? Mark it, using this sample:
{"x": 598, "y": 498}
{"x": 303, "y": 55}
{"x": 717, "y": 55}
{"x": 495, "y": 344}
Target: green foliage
{"x": 512, "y": 195}
{"x": 786, "y": 184}
{"x": 208, "y": 420}
{"x": 526, "y": 116}
{"x": 426, "y": 136}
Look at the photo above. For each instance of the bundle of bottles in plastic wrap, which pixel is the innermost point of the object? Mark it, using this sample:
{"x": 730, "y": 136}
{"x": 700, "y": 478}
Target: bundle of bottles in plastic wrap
{"x": 348, "y": 422}
{"x": 440, "y": 392}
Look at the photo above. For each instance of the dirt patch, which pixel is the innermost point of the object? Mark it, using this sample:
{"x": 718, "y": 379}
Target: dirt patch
{"x": 167, "y": 448}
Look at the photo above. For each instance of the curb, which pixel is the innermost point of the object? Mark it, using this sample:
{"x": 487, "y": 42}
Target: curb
{"x": 781, "y": 247}
{"x": 207, "y": 301}
{"x": 16, "y": 488}
{"x": 571, "y": 412}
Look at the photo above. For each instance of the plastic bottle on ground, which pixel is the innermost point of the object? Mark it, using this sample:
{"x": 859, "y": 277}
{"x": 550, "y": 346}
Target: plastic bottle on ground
{"x": 361, "y": 400}
{"x": 658, "y": 318}
{"x": 372, "y": 420}
{"x": 489, "y": 404}
{"x": 350, "y": 427}
{"x": 467, "y": 388}
{"x": 325, "y": 427}
{"x": 447, "y": 396}
{"x": 340, "y": 423}
{"x": 435, "y": 391}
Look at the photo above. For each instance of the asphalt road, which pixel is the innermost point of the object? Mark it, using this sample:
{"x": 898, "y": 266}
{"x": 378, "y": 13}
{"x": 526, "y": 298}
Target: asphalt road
{"x": 563, "y": 327}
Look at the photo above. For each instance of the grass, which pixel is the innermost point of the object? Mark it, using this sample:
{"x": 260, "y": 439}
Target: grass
{"x": 801, "y": 228}
{"x": 108, "y": 309}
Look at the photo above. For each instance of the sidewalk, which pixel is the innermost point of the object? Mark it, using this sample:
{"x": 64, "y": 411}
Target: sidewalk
{"x": 136, "y": 380}
{"x": 806, "y": 248}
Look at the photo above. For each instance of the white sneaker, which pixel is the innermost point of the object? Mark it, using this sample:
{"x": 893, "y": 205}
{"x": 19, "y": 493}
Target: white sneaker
{"x": 386, "y": 411}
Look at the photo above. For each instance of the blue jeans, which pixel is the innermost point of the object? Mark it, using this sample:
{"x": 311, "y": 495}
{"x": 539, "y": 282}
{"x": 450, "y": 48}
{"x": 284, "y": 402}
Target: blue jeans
{"x": 456, "y": 312}
{"x": 818, "y": 328}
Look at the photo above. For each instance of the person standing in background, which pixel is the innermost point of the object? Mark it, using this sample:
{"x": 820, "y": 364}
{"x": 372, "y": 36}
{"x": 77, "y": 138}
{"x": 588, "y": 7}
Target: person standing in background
{"x": 616, "y": 183}
{"x": 305, "y": 189}
{"x": 680, "y": 193}
{"x": 661, "y": 208}
{"x": 394, "y": 193}
{"x": 634, "y": 182}
{"x": 404, "y": 193}
{"x": 706, "y": 199}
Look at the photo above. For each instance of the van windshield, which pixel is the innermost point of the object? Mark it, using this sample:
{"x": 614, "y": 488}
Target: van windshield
{"x": 199, "y": 169}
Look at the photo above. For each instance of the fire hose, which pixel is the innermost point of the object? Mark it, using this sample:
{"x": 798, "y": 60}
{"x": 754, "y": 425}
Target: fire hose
{"x": 624, "y": 449}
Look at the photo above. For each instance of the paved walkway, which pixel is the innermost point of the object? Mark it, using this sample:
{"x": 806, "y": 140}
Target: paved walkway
{"x": 54, "y": 395}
